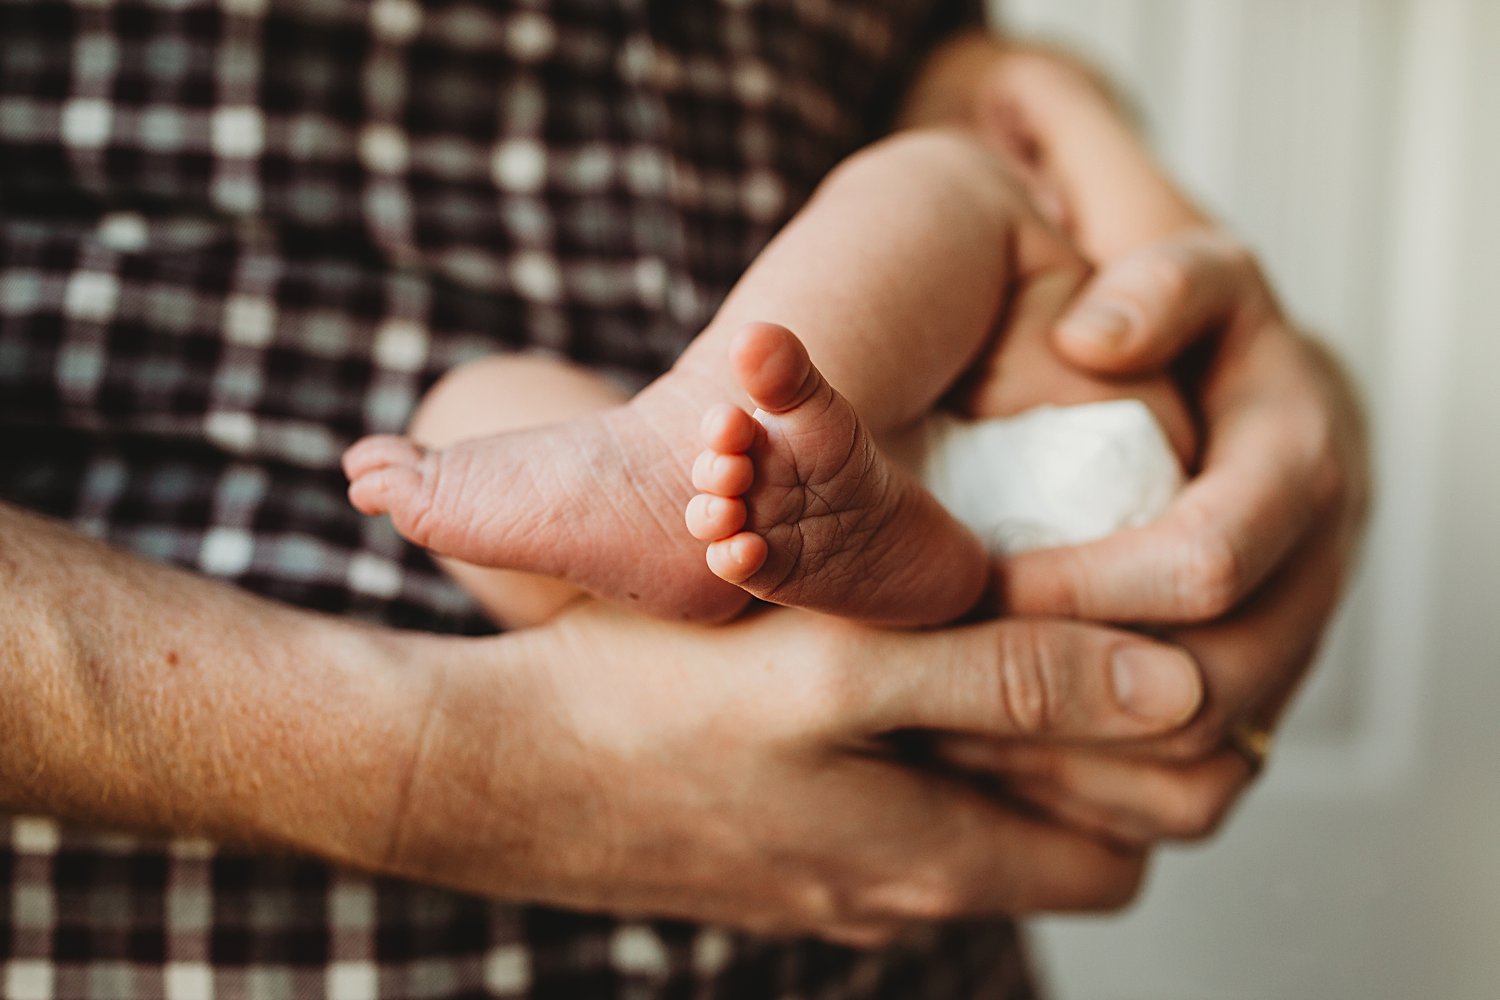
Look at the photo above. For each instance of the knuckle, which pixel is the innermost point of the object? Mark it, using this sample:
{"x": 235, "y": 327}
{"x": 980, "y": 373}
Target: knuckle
{"x": 1124, "y": 890}
{"x": 863, "y": 938}
{"x": 916, "y": 898}
{"x": 1211, "y": 576}
{"x": 1237, "y": 254}
{"x": 1223, "y": 250}
{"x": 1329, "y": 481}
{"x": 827, "y": 685}
{"x": 1198, "y": 742}
{"x": 1111, "y": 887}
{"x": 1028, "y": 678}
{"x": 1196, "y": 813}
{"x": 1161, "y": 280}
{"x": 815, "y": 902}
{"x": 1329, "y": 484}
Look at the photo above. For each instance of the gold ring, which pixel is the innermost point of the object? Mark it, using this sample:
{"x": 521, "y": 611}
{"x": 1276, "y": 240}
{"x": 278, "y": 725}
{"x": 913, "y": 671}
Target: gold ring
{"x": 1252, "y": 742}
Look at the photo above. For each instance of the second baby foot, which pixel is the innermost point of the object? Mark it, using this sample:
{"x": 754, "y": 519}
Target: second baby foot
{"x": 589, "y": 501}
{"x": 799, "y": 506}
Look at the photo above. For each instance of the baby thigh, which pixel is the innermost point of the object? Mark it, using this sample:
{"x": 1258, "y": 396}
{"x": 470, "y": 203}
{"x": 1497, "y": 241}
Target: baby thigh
{"x": 494, "y": 395}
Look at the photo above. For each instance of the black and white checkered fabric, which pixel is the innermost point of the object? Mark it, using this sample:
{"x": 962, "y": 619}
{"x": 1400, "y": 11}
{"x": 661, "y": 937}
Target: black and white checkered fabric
{"x": 236, "y": 235}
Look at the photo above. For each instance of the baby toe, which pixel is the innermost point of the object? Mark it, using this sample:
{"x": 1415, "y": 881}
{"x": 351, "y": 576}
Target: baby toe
{"x": 737, "y": 558}
{"x": 728, "y": 429}
{"x": 710, "y": 517}
{"x": 726, "y": 475}
{"x": 378, "y": 451}
{"x": 384, "y": 489}
{"x": 773, "y": 366}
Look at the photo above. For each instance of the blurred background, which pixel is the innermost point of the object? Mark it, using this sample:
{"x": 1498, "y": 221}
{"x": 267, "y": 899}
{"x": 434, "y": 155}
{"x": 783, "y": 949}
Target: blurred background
{"x": 1356, "y": 144}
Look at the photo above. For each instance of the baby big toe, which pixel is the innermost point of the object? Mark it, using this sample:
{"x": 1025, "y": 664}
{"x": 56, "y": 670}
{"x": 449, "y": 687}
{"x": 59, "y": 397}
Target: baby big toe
{"x": 773, "y": 367}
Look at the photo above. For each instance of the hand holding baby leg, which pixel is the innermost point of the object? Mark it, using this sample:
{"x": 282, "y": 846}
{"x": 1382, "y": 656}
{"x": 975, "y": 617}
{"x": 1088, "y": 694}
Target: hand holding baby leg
{"x": 744, "y": 775}
{"x": 1248, "y": 563}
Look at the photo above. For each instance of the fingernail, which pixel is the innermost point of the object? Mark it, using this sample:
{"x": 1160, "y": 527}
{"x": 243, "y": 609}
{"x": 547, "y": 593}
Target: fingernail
{"x": 1098, "y": 323}
{"x": 1155, "y": 684}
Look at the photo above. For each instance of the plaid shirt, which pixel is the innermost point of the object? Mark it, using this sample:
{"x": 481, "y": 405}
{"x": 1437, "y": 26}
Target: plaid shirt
{"x": 236, "y": 235}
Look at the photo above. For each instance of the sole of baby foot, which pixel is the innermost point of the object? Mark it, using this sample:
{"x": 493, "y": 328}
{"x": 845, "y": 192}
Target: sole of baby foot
{"x": 799, "y": 506}
{"x": 584, "y": 501}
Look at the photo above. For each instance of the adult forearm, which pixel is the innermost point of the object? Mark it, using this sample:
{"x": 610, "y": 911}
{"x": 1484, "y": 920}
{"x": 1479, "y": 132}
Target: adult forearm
{"x": 145, "y": 698}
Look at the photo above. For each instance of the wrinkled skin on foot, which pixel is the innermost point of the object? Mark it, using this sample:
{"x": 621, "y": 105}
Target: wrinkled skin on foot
{"x": 590, "y": 501}
{"x": 800, "y": 507}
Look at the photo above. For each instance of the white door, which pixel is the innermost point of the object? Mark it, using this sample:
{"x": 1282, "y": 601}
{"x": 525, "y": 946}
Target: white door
{"x": 1356, "y": 143}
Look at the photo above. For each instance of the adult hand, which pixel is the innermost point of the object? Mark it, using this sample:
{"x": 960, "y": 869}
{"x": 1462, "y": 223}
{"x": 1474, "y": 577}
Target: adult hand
{"x": 741, "y": 775}
{"x": 744, "y": 775}
{"x": 1248, "y": 563}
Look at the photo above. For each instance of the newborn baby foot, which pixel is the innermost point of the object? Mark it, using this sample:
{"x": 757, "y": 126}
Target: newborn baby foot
{"x": 799, "y": 507}
{"x": 585, "y": 501}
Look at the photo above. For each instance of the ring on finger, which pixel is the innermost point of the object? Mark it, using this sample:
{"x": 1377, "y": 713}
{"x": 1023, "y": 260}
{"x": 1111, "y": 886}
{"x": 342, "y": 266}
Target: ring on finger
{"x": 1252, "y": 741}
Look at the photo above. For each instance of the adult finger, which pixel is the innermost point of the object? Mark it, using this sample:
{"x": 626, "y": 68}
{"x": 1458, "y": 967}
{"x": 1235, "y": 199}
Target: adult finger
{"x": 948, "y": 851}
{"x": 1131, "y": 801}
{"x": 1272, "y": 467}
{"x": 1141, "y": 311}
{"x": 1033, "y": 678}
{"x": 1041, "y": 867}
{"x": 1254, "y": 659}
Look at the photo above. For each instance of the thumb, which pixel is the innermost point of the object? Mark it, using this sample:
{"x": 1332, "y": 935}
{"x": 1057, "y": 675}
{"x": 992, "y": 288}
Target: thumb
{"x": 1047, "y": 678}
{"x": 1144, "y": 309}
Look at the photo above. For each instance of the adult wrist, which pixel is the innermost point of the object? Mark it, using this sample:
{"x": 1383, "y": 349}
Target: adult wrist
{"x": 466, "y": 784}
{"x": 375, "y": 686}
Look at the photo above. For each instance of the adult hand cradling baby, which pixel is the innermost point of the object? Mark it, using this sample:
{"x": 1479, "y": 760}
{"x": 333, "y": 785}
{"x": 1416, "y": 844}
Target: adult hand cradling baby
{"x": 1244, "y": 569}
{"x": 1246, "y": 566}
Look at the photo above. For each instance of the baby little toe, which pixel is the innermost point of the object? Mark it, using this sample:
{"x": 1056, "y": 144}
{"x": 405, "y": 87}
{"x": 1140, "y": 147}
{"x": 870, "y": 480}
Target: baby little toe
{"x": 384, "y": 489}
{"x": 737, "y": 558}
{"x": 378, "y": 451}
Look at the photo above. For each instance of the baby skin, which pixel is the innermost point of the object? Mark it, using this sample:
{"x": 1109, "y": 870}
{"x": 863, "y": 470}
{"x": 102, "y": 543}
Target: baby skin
{"x": 917, "y": 263}
{"x": 800, "y": 507}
